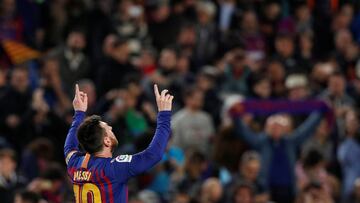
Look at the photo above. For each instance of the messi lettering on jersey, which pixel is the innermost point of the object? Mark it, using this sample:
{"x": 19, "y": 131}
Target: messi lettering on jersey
{"x": 79, "y": 176}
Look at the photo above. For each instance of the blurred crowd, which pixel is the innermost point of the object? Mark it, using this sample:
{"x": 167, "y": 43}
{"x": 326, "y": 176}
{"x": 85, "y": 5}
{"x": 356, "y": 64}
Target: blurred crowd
{"x": 279, "y": 59}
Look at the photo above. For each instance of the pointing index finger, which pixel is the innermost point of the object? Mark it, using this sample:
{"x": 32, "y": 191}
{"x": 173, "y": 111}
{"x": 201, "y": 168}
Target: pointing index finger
{"x": 77, "y": 91}
{"x": 156, "y": 90}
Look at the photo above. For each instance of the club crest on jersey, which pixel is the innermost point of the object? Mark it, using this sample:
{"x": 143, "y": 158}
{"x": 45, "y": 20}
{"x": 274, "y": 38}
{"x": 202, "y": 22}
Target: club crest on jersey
{"x": 122, "y": 158}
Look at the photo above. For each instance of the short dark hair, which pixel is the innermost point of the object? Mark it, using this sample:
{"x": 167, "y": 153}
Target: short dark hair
{"x": 28, "y": 196}
{"x": 312, "y": 158}
{"x": 90, "y": 134}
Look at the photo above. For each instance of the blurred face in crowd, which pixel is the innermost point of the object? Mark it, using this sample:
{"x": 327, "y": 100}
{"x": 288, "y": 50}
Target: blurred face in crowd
{"x": 250, "y": 170}
{"x": 272, "y": 10}
{"x": 211, "y": 190}
{"x": 121, "y": 53}
{"x": 343, "y": 19}
{"x": 243, "y": 195}
{"x": 277, "y": 125}
{"x": 195, "y": 100}
{"x": 303, "y": 13}
{"x": 205, "y": 12}
{"x": 187, "y": 37}
{"x": 238, "y": 59}
{"x": 7, "y": 166}
{"x": 263, "y": 88}
{"x": 351, "y": 123}
{"x": 181, "y": 198}
{"x": 7, "y": 7}
{"x": 306, "y": 43}
{"x": 168, "y": 59}
{"x": 343, "y": 40}
{"x": 250, "y": 22}
{"x": 298, "y": 93}
{"x": 161, "y": 13}
{"x": 147, "y": 58}
{"x": 124, "y": 8}
{"x": 322, "y": 71}
{"x": 135, "y": 89}
{"x": 323, "y": 130}
{"x": 108, "y": 44}
{"x": 284, "y": 46}
{"x": 76, "y": 41}
{"x": 20, "y": 80}
{"x": 276, "y": 71}
{"x": 183, "y": 64}
{"x": 204, "y": 82}
{"x": 336, "y": 85}
{"x": 195, "y": 166}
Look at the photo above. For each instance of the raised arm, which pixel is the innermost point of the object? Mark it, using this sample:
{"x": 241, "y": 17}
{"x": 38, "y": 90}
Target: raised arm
{"x": 138, "y": 163}
{"x": 246, "y": 134}
{"x": 153, "y": 154}
{"x": 306, "y": 129}
{"x": 80, "y": 106}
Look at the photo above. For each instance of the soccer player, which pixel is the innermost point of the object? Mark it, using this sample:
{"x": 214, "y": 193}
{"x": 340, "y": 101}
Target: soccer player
{"x": 97, "y": 176}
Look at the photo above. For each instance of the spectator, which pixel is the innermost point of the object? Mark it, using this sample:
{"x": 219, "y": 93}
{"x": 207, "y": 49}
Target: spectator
{"x": 312, "y": 170}
{"x": 249, "y": 169}
{"x": 278, "y": 171}
{"x": 190, "y": 180}
{"x": 236, "y": 73}
{"x": 254, "y": 42}
{"x": 211, "y": 191}
{"x": 12, "y": 26}
{"x": 297, "y": 86}
{"x": 285, "y": 53}
{"x": 166, "y": 71}
{"x": 128, "y": 22}
{"x": 206, "y": 82}
{"x": 10, "y": 181}
{"x": 163, "y": 21}
{"x": 277, "y": 74}
{"x": 337, "y": 97}
{"x": 26, "y": 197}
{"x": 116, "y": 68}
{"x": 36, "y": 158}
{"x": 206, "y": 32}
{"x": 305, "y": 53}
{"x": 15, "y": 103}
{"x": 243, "y": 193}
{"x": 51, "y": 84}
{"x": 321, "y": 142}
{"x": 192, "y": 127}
{"x": 348, "y": 152}
{"x": 50, "y": 184}
{"x": 74, "y": 64}
{"x": 261, "y": 87}
{"x": 314, "y": 193}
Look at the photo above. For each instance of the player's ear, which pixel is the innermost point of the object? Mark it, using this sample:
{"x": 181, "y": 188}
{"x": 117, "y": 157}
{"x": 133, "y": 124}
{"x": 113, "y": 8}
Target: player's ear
{"x": 107, "y": 141}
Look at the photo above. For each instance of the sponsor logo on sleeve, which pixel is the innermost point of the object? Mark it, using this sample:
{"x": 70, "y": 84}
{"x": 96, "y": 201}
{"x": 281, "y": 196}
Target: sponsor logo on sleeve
{"x": 122, "y": 158}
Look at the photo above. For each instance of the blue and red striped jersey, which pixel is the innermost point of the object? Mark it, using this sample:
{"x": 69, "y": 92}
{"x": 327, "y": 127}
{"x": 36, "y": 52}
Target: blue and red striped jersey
{"x": 97, "y": 179}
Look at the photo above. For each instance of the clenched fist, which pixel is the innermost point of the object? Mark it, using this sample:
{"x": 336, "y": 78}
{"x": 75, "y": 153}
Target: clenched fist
{"x": 80, "y": 101}
{"x": 163, "y": 100}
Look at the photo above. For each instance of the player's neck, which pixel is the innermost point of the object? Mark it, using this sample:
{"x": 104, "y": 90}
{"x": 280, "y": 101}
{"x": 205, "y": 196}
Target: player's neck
{"x": 104, "y": 154}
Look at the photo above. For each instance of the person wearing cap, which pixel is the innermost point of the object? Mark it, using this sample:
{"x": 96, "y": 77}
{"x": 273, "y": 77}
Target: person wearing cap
{"x": 297, "y": 86}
